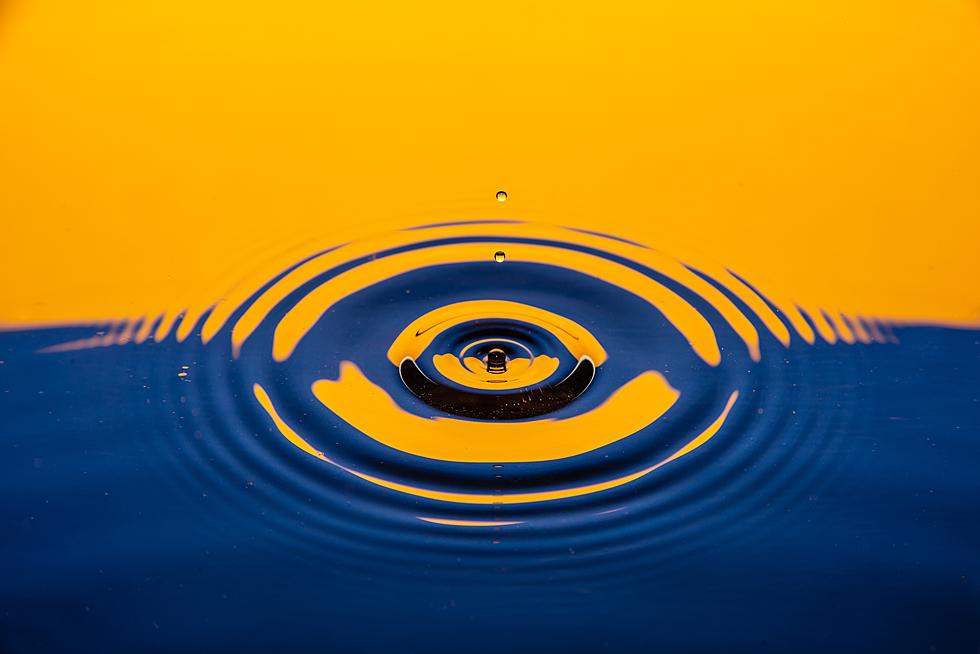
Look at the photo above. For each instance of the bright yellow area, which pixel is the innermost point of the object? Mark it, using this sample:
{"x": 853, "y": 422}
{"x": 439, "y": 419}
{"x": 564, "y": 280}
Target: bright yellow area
{"x": 491, "y": 498}
{"x": 154, "y": 153}
{"x": 259, "y": 308}
{"x": 370, "y": 410}
{"x": 416, "y": 337}
{"x": 301, "y": 318}
{"x": 469, "y": 523}
{"x": 520, "y": 372}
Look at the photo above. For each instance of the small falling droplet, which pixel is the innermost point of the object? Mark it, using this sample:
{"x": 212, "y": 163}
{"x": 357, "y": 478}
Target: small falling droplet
{"x": 501, "y": 196}
{"x": 499, "y": 256}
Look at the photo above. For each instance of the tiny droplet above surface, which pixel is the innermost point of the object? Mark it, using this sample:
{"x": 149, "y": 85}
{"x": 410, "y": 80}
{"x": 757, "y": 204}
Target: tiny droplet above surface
{"x": 501, "y": 196}
{"x": 499, "y": 256}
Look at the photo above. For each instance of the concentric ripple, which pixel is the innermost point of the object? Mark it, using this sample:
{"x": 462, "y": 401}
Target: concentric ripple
{"x": 579, "y": 382}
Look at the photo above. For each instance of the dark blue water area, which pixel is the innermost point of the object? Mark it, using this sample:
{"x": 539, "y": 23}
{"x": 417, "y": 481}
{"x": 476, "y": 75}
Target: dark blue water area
{"x": 146, "y": 512}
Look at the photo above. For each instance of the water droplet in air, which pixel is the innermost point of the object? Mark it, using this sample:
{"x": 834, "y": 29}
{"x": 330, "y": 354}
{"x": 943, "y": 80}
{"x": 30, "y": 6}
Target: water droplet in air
{"x": 499, "y": 256}
{"x": 501, "y": 196}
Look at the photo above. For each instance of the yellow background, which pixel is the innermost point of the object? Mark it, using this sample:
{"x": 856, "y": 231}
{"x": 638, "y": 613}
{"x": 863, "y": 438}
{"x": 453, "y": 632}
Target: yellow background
{"x": 151, "y": 151}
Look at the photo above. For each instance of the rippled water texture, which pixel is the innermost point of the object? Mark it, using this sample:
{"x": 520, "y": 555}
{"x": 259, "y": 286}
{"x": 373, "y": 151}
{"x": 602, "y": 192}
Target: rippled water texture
{"x": 491, "y": 436}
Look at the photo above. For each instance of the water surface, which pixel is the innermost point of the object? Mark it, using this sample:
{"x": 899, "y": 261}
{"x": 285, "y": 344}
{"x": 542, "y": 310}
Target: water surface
{"x": 491, "y": 436}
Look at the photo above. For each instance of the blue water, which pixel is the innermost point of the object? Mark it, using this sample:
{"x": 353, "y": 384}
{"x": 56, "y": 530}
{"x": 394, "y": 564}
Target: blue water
{"x": 837, "y": 510}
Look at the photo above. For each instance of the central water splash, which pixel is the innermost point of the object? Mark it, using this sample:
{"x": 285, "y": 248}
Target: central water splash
{"x": 587, "y": 379}
{"x": 496, "y": 361}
